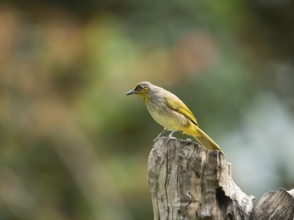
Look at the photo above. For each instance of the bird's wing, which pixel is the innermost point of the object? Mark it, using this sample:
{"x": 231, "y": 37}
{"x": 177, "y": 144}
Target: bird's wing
{"x": 177, "y": 105}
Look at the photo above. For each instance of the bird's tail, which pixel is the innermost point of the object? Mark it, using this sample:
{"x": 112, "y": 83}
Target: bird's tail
{"x": 204, "y": 139}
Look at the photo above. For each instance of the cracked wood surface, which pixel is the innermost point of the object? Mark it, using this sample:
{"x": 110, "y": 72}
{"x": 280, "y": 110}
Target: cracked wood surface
{"x": 278, "y": 204}
{"x": 188, "y": 181}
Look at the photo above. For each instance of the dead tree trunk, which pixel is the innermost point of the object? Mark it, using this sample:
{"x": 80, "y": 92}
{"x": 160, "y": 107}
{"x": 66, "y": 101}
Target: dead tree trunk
{"x": 278, "y": 204}
{"x": 190, "y": 182}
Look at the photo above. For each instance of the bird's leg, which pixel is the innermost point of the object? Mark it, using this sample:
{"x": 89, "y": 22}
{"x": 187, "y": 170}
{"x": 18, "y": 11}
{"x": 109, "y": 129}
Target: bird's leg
{"x": 169, "y": 136}
{"x": 158, "y": 136}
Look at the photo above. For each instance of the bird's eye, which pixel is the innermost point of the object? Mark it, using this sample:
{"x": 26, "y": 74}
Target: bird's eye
{"x": 139, "y": 88}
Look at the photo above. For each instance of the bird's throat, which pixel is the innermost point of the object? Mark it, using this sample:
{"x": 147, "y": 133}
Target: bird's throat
{"x": 146, "y": 98}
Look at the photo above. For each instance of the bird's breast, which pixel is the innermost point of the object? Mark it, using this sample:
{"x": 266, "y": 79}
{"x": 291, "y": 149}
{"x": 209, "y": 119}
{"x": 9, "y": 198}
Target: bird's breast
{"x": 166, "y": 117}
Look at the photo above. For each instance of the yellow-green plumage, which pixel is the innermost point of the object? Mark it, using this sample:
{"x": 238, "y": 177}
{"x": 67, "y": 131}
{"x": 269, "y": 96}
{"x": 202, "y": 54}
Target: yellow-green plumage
{"x": 171, "y": 113}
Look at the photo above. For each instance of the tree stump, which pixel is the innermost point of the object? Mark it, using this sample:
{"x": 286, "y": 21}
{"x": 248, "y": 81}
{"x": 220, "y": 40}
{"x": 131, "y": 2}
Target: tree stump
{"x": 189, "y": 182}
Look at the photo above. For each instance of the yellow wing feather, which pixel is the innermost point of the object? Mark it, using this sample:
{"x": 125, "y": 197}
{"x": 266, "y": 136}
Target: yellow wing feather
{"x": 177, "y": 105}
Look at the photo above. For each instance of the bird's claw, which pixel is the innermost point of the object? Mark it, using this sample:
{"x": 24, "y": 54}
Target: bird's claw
{"x": 166, "y": 140}
{"x": 168, "y": 137}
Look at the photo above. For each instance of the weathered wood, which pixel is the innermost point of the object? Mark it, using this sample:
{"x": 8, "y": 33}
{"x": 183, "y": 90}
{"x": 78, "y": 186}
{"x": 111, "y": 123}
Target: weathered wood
{"x": 190, "y": 182}
{"x": 278, "y": 204}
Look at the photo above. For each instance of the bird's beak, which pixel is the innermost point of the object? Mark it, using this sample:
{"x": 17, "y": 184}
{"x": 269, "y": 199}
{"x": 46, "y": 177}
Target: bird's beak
{"x": 131, "y": 92}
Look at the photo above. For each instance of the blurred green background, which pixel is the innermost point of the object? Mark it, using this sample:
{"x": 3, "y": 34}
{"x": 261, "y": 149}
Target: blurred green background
{"x": 74, "y": 147}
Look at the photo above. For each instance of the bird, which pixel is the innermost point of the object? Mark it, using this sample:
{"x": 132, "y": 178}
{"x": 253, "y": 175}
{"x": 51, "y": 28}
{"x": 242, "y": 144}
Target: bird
{"x": 171, "y": 113}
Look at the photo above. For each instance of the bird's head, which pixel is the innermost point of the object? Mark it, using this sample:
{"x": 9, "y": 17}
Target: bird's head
{"x": 142, "y": 89}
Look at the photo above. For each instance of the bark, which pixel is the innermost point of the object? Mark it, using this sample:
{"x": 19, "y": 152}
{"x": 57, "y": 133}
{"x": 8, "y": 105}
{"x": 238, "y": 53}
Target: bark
{"x": 190, "y": 182}
{"x": 277, "y": 204}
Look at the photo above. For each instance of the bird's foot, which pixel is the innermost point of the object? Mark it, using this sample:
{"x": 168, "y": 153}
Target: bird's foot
{"x": 169, "y": 137}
